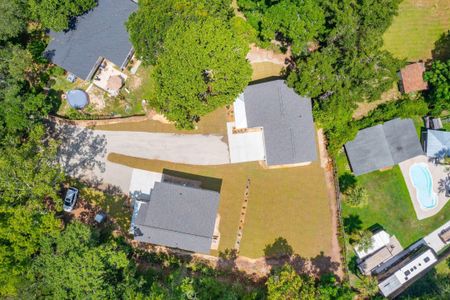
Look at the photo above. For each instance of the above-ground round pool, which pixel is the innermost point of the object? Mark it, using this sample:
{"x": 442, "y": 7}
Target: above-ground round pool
{"x": 423, "y": 183}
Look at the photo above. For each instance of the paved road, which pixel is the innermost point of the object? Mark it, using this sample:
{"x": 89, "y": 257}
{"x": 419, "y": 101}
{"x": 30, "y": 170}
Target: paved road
{"x": 83, "y": 151}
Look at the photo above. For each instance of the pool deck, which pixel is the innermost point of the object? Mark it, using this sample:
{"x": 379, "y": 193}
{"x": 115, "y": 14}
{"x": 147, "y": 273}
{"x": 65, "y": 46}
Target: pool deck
{"x": 438, "y": 172}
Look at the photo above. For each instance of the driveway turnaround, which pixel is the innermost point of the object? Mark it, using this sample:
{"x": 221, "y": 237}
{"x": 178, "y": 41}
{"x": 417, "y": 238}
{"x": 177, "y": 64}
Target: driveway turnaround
{"x": 83, "y": 152}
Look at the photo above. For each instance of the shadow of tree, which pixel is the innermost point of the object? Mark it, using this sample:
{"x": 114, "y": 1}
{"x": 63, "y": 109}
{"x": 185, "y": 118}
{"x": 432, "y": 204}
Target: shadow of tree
{"x": 279, "y": 248}
{"x": 346, "y": 182}
{"x": 322, "y": 264}
{"x": 280, "y": 253}
{"x": 352, "y": 224}
{"x": 441, "y": 49}
{"x": 81, "y": 150}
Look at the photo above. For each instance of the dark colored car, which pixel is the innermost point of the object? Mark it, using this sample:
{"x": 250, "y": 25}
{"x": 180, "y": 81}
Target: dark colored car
{"x": 71, "y": 199}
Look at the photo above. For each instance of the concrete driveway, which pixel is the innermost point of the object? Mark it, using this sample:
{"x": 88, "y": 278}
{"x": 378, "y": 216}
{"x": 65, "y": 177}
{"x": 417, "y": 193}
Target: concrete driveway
{"x": 83, "y": 152}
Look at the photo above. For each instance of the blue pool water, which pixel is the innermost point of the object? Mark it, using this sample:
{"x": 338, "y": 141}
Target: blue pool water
{"x": 423, "y": 182}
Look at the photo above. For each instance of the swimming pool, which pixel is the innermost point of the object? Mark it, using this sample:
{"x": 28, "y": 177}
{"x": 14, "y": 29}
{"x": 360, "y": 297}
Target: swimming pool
{"x": 423, "y": 183}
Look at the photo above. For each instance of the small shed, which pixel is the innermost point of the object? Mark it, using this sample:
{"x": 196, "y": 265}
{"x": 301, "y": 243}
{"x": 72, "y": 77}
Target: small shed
{"x": 411, "y": 78}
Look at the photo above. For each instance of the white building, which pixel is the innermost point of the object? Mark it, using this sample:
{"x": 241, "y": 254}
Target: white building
{"x": 407, "y": 272}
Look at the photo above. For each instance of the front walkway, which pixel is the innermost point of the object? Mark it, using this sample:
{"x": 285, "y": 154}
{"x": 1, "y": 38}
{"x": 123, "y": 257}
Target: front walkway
{"x": 438, "y": 174}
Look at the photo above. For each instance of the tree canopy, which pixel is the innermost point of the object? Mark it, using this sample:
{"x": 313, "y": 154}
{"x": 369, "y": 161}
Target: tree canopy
{"x": 438, "y": 78}
{"x": 12, "y": 18}
{"x": 285, "y": 283}
{"x": 349, "y": 66}
{"x": 58, "y": 14}
{"x": 149, "y": 24}
{"x": 292, "y": 22}
{"x": 203, "y": 67}
{"x": 74, "y": 265}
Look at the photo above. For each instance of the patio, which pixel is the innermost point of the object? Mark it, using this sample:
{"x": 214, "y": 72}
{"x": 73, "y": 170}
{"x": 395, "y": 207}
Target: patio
{"x": 109, "y": 78}
{"x": 438, "y": 173}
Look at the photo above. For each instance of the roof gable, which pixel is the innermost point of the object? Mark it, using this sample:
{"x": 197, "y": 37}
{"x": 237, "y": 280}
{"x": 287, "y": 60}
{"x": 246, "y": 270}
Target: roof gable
{"x": 287, "y": 122}
{"x": 178, "y": 216}
{"x": 383, "y": 146}
{"x": 438, "y": 143}
{"x": 100, "y": 32}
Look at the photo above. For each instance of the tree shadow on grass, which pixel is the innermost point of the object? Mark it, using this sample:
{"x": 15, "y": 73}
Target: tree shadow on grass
{"x": 346, "y": 182}
{"x": 441, "y": 49}
{"x": 278, "y": 249}
{"x": 352, "y": 224}
{"x": 280, "y": 252}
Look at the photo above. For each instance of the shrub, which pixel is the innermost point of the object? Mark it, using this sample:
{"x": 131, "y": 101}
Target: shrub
{"x": 357, "y": 197}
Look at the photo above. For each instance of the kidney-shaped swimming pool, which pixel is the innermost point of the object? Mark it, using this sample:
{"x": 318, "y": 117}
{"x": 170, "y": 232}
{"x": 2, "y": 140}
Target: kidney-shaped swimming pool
{"x": 423, "y": 183}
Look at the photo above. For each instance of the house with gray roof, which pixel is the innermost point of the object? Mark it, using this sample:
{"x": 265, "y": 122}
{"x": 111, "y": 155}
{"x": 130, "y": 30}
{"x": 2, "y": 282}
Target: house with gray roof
{"x": 98, "y": 34}
{"x": 383, "y": 146}
{"x": 438, "y": 143}
{"x": 273, "y": 124}
{"x": 177, "y": 216}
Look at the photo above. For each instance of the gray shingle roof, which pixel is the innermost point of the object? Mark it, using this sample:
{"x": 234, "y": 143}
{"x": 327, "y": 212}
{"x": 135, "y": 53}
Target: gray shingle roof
{"x": 286, "y": 118}
{"x": 178, "y": 216}
{"x": 99, "y": 33}
{"x": 383, "y": 146}
{"x": 438, "y": 143}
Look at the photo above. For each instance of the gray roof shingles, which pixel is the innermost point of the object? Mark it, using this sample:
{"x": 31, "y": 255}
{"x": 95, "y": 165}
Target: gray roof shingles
{"x": 286, "y": 118}
{"x": 383, "y": 146}
{"x": 100, "y": 32}
{"x": 178, "y": 216}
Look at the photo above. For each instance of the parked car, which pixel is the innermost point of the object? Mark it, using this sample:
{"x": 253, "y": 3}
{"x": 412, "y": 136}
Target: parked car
{"x": 71, "y": 199}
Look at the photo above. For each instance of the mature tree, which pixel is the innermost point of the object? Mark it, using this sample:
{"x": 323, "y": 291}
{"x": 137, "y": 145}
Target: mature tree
{"x": 295, "y": 22}
{"x": 349, "y": 66}
{"x": 22, "y": 103}
{"x": 149, "y": 24}
{"x": 28, "y": 178}
{"x": 363, "y": 239}
{"x": 203, "y": 67}
{"x": 75, "y": 266}
{"x": 368, "y": 286}
{"x": 12, "y": 18}
{"x": 57, "y": 14}
{"x": 285, "y": 283}
{"x": 438, "y": 78}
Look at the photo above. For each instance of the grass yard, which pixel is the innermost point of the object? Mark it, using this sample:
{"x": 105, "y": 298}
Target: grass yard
{"x": 419, "y": 24}
{"x": 389, "y": 205}
{"x": 291, "y": 203}
{"x": 212, "y": 123}
{"x": 266, "y": 70}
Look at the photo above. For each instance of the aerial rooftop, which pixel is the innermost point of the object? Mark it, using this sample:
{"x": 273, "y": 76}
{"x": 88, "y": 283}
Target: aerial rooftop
{"x": 412, "y": 78}
{"x": 178, "y": 216}
{"x": 438, "y": 143}
{"x": 285, "y": 118}
{"x": 383, "y": 146}
{"x": 100, "y": 33}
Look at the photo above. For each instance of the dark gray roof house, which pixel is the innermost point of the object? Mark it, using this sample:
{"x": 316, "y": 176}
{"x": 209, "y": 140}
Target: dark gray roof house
{"x": 179, "y": 217}
{"x": 286, "y": 119}
{"x": 383, "y": 146}
{"x": 98, "y": 34}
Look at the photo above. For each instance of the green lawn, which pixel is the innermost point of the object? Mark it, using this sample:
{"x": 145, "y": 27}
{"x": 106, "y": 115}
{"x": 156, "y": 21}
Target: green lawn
{"x": 390, "y": 205}
{"x": 417, "y": 27}
{"x": 291, "y": 203}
